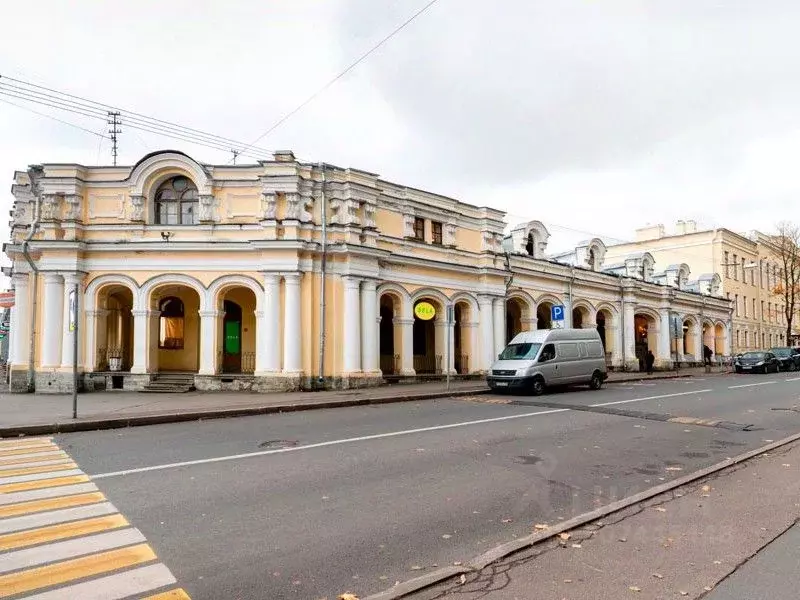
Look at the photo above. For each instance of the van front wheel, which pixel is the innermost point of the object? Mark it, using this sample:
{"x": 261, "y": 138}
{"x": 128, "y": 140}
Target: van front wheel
{"x": 537, "y": 386}
{"x": 597, "y": 381}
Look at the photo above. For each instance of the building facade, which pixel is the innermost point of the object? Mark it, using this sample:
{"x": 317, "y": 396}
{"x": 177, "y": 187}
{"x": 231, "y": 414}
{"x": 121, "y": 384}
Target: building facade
{"x": 287, "y": 275}
{"x": 747, "y": 266}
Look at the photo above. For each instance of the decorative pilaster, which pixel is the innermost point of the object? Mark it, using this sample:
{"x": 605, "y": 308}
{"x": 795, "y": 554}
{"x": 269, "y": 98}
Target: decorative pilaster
{"x": 292, "y": 207}
{"x": 292, "y": 333}
{"x": 269, "y": 205}
{"x": 206, "y": 208}
{"x": 352, "y": 339}
{"x": 268, "y": 352}
{"x": 208, "y": 342}
{"x": 486, "y": 333}
{"x": 68, "y": 343}
{"x": 53, "y": 324}
{"x": 698, "y": 341}
{"x": 48, "y": 209}
{"x": 499, "y": 314}
{"x": 664, "y": 338}
{"x": 72, "y": 211}
{"x": 136, "y": 208}
{"x": 629, "y": 351}
{"x": 370, "y": 327}
{"x": 20, "y": 321}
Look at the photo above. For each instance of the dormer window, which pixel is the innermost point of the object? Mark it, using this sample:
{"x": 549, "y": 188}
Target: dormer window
{"x": 530, "y": 245}
{"x": 176, "y": 202}
{"x": 592, "y": 264}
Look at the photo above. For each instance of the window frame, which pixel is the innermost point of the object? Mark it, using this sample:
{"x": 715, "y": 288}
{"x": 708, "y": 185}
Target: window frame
{"x": 437, "y": 233}
{"x": 419, "y": 229}
{"x": 175, "y": 208}
{"x": 180, "y": 316}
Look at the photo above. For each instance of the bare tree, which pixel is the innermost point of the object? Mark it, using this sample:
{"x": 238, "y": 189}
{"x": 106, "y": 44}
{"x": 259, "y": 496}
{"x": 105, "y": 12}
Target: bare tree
{"x": 787, "y": 286}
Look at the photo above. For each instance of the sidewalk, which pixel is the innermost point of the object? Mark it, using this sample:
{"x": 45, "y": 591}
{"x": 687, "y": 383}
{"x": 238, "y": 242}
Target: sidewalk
{"x": 712, "y": 539}
{"x": 36, "y": 414}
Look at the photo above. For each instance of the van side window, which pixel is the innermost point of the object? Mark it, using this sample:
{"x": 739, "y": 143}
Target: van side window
{"x": 582, "y": 348}
{"x": 595, "y": 350}
{"x": 548, "y": 353}
{"x": 568, "y": 350}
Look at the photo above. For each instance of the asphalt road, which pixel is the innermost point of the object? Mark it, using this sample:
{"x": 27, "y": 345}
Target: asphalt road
{"x": 310, "y": 505}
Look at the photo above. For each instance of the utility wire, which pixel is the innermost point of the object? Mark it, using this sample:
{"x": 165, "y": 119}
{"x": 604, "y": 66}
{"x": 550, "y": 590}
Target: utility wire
{"x": 352, "y": 66}
{"x": 41, "y": 114}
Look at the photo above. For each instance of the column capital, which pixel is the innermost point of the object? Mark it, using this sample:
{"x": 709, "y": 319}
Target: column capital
{"x": 351, "y": 281}
{"x": 100, "y": 312}
{"x": 258, "y": 313}
{"x": 205, "y": 314}
{"x": 292, "y": 278}
{"x": 402, "y": 321}
{"x": 20, "y": 280}
{"x": 486, "y": 299}
{"x": 270, "y": 277}
{"x": 51, "y": 277}
{"x": 144, "y": 312}
{"x": 370, "y": 285}
{"x": 73, "y": 278}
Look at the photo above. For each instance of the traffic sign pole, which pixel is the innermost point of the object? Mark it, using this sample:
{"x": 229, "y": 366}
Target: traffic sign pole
{"x": 74, "y": 326}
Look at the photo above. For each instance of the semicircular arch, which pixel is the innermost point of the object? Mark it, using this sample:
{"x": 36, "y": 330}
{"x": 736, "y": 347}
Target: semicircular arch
{"x": 430, "y": 294}
{"x": 223, "y": 283}
{"x": 149, "y": 286}
{"x": 98, "y": 283}
{"x": 646, "y": 312}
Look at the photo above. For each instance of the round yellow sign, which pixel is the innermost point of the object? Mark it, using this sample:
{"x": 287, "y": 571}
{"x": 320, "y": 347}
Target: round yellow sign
{"x": 424, "y": 311}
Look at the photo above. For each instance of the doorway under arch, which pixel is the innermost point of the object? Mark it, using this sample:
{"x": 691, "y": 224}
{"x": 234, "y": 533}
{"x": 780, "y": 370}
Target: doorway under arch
{"x": 543, "y": 315}
{"x": 390, "y": 336}
{"x": 646, "y": 336}
{"x": 428, "y": 338}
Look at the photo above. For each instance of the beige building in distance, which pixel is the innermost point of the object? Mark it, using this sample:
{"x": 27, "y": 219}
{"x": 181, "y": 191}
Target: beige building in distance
{"x": 747, "y": 267}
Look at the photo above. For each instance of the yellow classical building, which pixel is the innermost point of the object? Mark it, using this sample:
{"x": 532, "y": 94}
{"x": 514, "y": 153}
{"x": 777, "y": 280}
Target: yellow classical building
{"x": 748, "y": 267}
{"x": 288, "y": 275}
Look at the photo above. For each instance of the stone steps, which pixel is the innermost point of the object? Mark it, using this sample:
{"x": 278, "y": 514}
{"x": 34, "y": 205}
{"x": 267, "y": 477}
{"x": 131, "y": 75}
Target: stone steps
{"x": 170, "y": 383}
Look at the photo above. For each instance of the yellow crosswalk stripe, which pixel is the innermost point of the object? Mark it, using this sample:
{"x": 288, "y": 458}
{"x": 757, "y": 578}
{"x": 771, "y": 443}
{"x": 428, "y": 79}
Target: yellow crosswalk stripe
{"x": 178, "y": 594}
{"x": 33, "y": 506}
{"x": 24, "y": 441}
{"x": 28, "y": 450}
{"x": 33, "y": 470}
{"x": 25, "y": 486}
{"x": 55, "y": 462}
{"x": 25, "y": 459}
{"x": 78, "y": 568}
{"x": 51, "y": 533}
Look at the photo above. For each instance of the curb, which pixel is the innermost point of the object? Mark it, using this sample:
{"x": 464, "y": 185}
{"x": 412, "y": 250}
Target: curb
{"x": 160, "y": 419}
{"x": 478, "y": 563}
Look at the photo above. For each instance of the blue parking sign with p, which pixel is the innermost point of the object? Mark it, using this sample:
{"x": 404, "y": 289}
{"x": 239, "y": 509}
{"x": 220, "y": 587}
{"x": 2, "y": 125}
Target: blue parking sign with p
{"x": 557, "y": 313}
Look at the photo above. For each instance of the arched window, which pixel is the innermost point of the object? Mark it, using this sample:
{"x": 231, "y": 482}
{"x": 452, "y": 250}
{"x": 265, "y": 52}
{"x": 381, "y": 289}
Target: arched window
{"x": 530, "y": 245}
{"x": 592, "y": 265}
{"x": 176, "y": 202}
{"x": 170, "y": 330}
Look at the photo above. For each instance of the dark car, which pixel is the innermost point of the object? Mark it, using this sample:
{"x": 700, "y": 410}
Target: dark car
{"x": 757, "y": 362}
{"x": 789, "y": 358}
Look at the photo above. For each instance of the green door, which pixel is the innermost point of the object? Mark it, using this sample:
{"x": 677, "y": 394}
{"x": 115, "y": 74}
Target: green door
{"x": 232, "y": 338}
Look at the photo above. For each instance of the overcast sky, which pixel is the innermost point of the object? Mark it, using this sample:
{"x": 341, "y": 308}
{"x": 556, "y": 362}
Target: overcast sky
{"x": 595, "y": 116}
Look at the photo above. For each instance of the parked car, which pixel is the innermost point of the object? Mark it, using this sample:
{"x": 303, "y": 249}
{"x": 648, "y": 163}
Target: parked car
{"x": 789, "y": 358}
{"x": 757, "y": 362}
{"x": 534, "y": 360}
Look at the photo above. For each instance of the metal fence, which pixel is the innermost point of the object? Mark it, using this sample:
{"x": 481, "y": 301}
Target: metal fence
{"x": 461, "y": 364}
{"x": 390, "y": 364}
{"x": 427, "y": 364}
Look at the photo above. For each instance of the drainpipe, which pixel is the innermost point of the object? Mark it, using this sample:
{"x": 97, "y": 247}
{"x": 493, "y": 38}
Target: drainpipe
{"x": 624, "y": 365}
{"x": 35, "y": 270}
{"x": 569, "y": 292}
{"x": 323, "y": 261}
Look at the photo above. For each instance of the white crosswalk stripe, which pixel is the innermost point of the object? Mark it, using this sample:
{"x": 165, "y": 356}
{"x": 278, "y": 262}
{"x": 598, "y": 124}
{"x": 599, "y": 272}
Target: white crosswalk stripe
{"x": 61, "y": 538}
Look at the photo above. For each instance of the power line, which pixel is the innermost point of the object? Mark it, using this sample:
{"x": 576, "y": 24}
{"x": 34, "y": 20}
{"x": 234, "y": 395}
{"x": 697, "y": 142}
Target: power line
{"x": 352, "y": 66}
{"x": 41, "y": 114}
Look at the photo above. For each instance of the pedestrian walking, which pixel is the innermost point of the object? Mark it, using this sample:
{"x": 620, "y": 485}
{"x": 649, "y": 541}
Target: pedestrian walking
{"x": 707, "y": 354}
{"x": 649, "y": 359}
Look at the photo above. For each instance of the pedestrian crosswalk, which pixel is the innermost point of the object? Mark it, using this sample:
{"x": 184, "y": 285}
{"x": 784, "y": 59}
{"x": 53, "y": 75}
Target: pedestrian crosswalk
{"x": 60, "y": 537}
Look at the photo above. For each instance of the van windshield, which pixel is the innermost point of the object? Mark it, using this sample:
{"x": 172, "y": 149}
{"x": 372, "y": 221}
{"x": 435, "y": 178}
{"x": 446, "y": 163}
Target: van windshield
{"x": 520, "y": 351}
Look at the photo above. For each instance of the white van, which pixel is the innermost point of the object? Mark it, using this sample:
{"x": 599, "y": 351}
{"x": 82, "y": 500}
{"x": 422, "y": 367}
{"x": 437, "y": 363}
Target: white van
{"x": 537, "y": 359}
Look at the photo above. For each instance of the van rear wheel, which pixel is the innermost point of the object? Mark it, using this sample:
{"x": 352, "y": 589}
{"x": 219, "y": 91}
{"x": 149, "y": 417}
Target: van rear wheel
{"x": 597, "y": 381}
{"x": 537, "y": 386}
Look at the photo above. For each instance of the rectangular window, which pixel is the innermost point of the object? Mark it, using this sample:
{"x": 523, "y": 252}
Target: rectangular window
{"x": 760, "y": 273}
{"x": 755, "y": 315}
{"x": 769, "y": 312}
{"x": 168, "y": 213}
{"x": 419, "y": 229}
{"x": 736, "y": 300}
{"x": 752, "y": 276}
{"x": 736, "y": 267}
{"x": 436, "y": 232}
{"x": 568, "y": 350}
{"x": 762, "y": 310}
{"x": 744, "y": 272}
{"x": 170, "y": 333}
{"x": 727, "y": 262}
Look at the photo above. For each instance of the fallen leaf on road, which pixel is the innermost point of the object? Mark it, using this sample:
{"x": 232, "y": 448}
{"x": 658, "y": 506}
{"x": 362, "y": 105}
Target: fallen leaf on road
{"x": 576, "y": 546}
{"x": 383, "y": 578}
{"x": 457, "y": 563}
{"x": 541, "y": 526}
{"x": 568, "y": 581}
{"x": 658, "y": 576}
{"x": 786, "y": 465}
{"x": 661, "y": 509}
{"x": 507, "y": 520}
{"x": 416, "y": 568}
{"x": 633, "y": 588}
{"x": 706, "y": 488}
{"x": 348, "y": 596}
{"x": 768, "y": 441}
{"x": 717, "y": 562}
{"x": 674, "y": 469}
{"x": 564, "y": 536}
{"x": 623, "y": 539}
{"x": 463, "y": 579}
{"x": 684, "y": 593}
{"x": 447, "y": 536}
{"x": 707, "y": 588}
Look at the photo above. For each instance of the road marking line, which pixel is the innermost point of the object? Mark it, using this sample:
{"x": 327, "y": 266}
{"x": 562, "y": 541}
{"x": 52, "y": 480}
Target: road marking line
{"x": 24, "y": 441}
{"x": 32, "y": 450}
{"x": 77, "y": 568}
{"x": 178, "y": 594}
{"x": 9, "y": 474}
{"x": 35, "y": 506}
{"x": 31, "y": 537}
{"x": 52, "y": 492}
{"x": 56, "y": 516}
{"x": 33, "y": 557}
{"x": 22, "y": 458}
{"x": 364, "y": 438}
{"x": 793, "y": 379}
{"x": 43, "y": 483}
{"x": 115, "y": 587}
{"x": 38, "y": 463}
{"x": 734, "y": 387}
{"x": 37, "y": 476}
{"x": 649, "y": 398}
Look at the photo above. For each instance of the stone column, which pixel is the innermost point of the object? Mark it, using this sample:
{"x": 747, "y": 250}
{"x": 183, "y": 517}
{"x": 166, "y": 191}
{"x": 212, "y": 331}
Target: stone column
{"x": 407, "y": 334}
{"x": 370, "y": 327}
{"x": 630, "y": 336}
{"x": 487, "y": 353}
{"x": 499, "y": 314}
{"x": 208, "y": 341}
{"x": 268, "y": 351}
{"x": 67, "y": 340}
{"x": 292, "y": 333}
{"x": 614, "y": 332}
{"x": 698, "y": 342}
{"x": 664, "y": 338}
{"x": 451, "y": 336}
{"x": 53, "y": 321}
{"x": 474, "y": 360}
{"x": 141, "y": 326}
{"x": 20, "y": 321}
{"x": 726, "y": 344}
{"x": 440, "y": 342}
{"x": 350, "y": 323}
